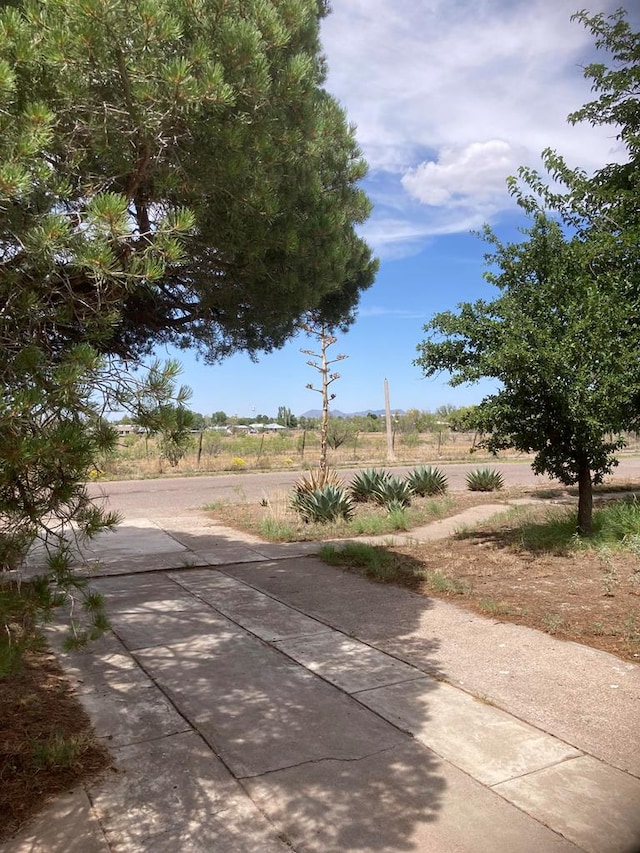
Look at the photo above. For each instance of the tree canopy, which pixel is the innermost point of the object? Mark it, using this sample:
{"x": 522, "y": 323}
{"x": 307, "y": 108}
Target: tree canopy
{"x": 556, "y": 339}
{"x": 562, "y": 337}
{"x": 173, "y": 171}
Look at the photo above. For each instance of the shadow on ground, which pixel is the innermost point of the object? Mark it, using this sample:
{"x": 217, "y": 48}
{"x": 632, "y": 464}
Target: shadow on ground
{"x": 204, "y": 699}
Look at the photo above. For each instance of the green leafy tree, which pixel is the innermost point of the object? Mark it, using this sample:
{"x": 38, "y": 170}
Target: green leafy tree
{"x": 308, "y": 423}
{"x": 178, "y": 167}
{"x": 285, "y": 417}
{"x": 555, "y": 339}
{"x": 604, "y": 203}
{"x": 170, "y": 172}
{"x": 198, "y": 421}
{"x": 461, "y": 420}
{"x": 602, "y": 208}
{"x": 574, "y": 302}
{"x": 340, "y": 430}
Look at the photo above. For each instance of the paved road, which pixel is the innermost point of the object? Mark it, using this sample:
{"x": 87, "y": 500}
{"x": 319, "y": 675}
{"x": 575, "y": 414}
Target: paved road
{"x": 165, "y": 496}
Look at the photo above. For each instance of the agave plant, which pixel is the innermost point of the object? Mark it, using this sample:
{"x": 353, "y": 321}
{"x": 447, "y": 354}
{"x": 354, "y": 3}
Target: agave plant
{"x": 484, "y": 480}
{"x": 427, "y": 481}
{"x": 365, "y": 483}
{"x": 323, "y": 505}
{"x": 318, "y": 479}
{"x": 393, "y": 489}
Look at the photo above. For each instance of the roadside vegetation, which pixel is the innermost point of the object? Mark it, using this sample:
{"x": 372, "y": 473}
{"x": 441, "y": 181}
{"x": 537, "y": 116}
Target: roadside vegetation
{"x": 526, "y": 565}
{"x": 217, "y": 452}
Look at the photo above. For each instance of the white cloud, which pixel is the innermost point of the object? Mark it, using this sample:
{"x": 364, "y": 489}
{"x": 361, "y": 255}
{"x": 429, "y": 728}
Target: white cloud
{"x": 398, "y": 313}
{"x": 451, "y": 96}
{"x": 462, "y": 175}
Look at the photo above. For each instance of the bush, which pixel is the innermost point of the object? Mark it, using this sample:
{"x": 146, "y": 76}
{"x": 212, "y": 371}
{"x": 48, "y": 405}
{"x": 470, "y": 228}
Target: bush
{"x": 393, "y": 489}
{"x": 376, "y": 562}
{"x": 323, "y": 505}
{"x": 484, "y": 480}
{"x": 427, "y": 481}
{"x": 364, "y": 485}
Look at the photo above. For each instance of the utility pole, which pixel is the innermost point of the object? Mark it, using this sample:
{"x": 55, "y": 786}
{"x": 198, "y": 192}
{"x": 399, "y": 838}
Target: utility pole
{"x": 391, "y": 456}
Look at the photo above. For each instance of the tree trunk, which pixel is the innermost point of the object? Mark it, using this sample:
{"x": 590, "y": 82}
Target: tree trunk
{"x": 324, "y": 423}
{"x": 585, "y": 502}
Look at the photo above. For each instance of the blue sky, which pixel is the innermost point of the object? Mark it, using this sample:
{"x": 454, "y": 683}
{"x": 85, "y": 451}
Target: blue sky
{"x": 449, "y": 97}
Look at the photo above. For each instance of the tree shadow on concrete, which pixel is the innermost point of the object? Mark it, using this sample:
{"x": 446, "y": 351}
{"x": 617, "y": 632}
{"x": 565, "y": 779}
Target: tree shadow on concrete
{"x": 210, "y": 644}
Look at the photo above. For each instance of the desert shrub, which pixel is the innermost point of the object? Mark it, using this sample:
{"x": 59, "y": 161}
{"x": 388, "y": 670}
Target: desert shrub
{"x": 323, "y": 505}
{"x": 393, "y": 489}
{"x": 365, "y": 483}
{"x": 426, "y": 480}
{"x": 484, "y": 480}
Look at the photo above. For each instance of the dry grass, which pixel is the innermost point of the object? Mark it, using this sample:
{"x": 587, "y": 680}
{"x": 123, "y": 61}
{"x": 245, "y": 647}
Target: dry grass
{"x": 46, "y": 740}
{"x": 273, "y": 519}
{"x": 221, "y": 453}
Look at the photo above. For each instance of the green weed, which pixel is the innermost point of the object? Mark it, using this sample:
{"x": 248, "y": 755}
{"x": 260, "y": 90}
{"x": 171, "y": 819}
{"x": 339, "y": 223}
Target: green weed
{"x": 552, "y": 622}
{"x": 60, "y": 752}
{"x": 276, "y": 530}
{"x": 368, "y": 525}
{"x": 441, "y": 582}
{"x": 375, "y": 562}
{"x": 495, "y": 608}
{"x": 397, "y": 516}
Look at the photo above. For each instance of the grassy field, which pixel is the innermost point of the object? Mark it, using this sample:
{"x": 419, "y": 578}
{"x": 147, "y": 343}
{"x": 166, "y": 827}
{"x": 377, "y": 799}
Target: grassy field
{"x": 216, "y": 453}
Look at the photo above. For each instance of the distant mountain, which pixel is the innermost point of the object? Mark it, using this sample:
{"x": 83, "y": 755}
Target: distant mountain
{"x": 336, "y": 413}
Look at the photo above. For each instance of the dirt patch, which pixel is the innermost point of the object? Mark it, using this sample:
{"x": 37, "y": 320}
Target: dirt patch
{"x": 584, "y": 596}
{"x": 47, "y": 744}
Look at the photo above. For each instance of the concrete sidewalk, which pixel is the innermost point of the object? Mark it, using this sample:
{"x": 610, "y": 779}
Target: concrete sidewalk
{"x": 256, "y": 699}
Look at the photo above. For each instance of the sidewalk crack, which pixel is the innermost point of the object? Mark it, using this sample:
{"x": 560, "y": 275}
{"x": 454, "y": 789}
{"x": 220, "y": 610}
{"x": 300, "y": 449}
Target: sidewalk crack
{"x": 312, "y": 761}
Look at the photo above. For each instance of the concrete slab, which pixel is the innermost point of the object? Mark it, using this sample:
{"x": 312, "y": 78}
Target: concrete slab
{"x": 258, "y": 710}
{"x": 133, "y": 538}
{"x": 132, "y": 714}
{"x": 594, "y": 805}
{"x": 256, "y": 612}
{"x": 142, "y": 565}
{"x": 287, "y": 550}
{"x": 402, "y": 799}
{"x": 199, "y": 529}
{"x": 347, "y": 663}
{"x": 154, "y": 594}
{"x": 579, "y": 694}
{"x": 175, "y": 789}
{"x": 485, "y": 742}
{"x": 449, "y": 526}
{"x": 105, "y": 665}
{"x": 68, "y": 823}
{"x": 140, "y": 630}
{"x": 220, "y": 555}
